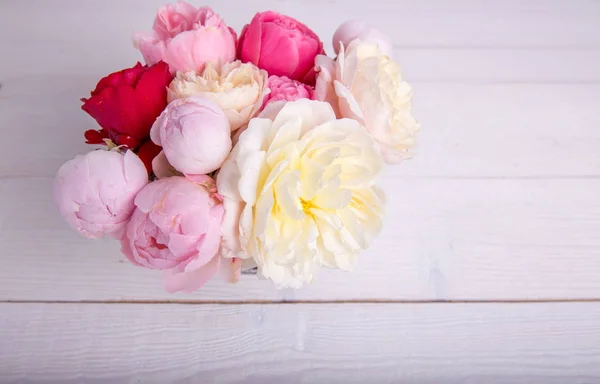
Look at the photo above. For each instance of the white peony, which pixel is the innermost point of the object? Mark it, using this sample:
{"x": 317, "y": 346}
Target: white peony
{"x": 363, "y": 83}
{"x": 238, "y": 88}
{"x": 299, "y": 192}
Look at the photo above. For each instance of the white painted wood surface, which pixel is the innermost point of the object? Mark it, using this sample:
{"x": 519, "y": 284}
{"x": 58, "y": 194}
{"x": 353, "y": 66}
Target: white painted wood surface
{"x": 346, "y": 343}
{"x": 446, "y": 239}
{"x": 499, "y": 204}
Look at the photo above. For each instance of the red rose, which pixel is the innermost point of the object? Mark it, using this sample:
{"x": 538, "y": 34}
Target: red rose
{"x": 126, "y": 103}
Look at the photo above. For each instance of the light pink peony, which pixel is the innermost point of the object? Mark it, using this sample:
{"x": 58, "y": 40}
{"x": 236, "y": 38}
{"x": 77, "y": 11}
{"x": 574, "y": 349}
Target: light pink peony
{"x": 280, "y": 45}
{"x": 161, "y": 167}
{"x": 195, "y": 135}
{"x": 95, "y": 192}
{"x": 359, "y": 30}
{"x": 186, "y": 38}
{"x": 173, "y": 19}
{"x": 176, "y": 228}
{"x": 284, "y": 88}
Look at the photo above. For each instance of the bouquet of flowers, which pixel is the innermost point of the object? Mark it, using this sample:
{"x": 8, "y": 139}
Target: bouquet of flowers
{"x": 226, "y": 153}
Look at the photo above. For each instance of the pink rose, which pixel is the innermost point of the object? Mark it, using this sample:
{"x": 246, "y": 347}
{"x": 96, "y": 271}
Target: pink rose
{"x": 359, "y": 30}
{"x": 281, "y": 45}
{"x": 186, "y": 38}
{"x": 195, "y": 135}
{"x": 95, "y": 192}
{"x": 284, "y": 88}
{"x": 176, "y": 227}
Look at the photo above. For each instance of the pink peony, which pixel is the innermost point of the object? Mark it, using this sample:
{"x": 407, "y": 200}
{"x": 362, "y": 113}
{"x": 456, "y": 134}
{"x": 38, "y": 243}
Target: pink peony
{"x": 186, "y": 38}
{"x": 161, "y": 167}
{"x": 281, "y": 45}
{"x": 284, "y": 88}
{"x": 195, "y": 135}
{"x": 359, "y": 30}
{"x": 176, "y": 227}
{"x": 95, "y": 192}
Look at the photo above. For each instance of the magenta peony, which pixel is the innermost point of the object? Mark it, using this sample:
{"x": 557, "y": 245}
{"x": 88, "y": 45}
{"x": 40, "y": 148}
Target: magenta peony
{"x": 280, "y": 45}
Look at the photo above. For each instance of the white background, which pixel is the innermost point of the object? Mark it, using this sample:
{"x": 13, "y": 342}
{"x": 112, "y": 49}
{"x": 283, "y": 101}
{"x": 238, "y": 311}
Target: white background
{"x": 487, "y": 271}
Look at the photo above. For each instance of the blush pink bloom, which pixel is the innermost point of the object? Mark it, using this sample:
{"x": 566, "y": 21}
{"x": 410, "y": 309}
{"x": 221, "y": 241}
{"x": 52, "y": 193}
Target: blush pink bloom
{"x": 161, "y": 167}
{"x": 176, "y": 228}
{"x": 95, "y": 192}
{"x": 281, "y": 45}
{"x": 195, "y": 135}
{"x": 284, "y": 88}
{"x": 186, "y": 38}
{"x": 364, "y": 84}
{"x": 359, "y": 30}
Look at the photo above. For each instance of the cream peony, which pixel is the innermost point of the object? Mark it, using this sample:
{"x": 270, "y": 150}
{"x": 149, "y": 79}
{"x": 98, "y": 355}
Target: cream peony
{"x": 365, "y": 84}
{"x": 238, "y": 88}
{"x": 299, "y": 192}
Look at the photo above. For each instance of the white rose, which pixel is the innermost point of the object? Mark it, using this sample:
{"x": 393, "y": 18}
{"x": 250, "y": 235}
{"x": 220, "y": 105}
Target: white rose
{"x": 238, "y": 88}
{"x": 363, "y": 83}
{"x": 299, "y": 192}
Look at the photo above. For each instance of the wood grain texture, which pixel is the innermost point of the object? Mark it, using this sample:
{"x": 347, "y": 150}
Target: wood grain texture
{"x": 500, "y": 203}
{"x": 444, "y": 239}
{"x": 420, "y": 343}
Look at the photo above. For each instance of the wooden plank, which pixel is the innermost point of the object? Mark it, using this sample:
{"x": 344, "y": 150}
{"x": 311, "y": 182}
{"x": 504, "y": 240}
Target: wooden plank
{"x": 427, "y": 343}
{"x": 469, "y": 239}
{"x": 502, "y": 130}
{"x": 437, "y": 23}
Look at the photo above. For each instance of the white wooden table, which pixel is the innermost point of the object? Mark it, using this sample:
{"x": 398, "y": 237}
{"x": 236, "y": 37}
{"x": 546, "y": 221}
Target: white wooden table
{"x": 488, "y": 270}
